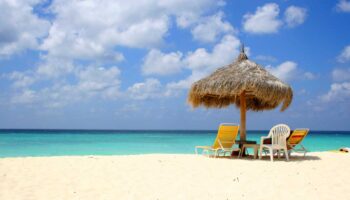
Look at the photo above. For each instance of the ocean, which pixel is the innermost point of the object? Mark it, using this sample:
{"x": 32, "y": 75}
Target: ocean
{"x": 24, "y": 143}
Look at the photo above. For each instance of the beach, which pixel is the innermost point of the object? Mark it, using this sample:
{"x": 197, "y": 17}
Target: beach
{"x": 320, "y": 175}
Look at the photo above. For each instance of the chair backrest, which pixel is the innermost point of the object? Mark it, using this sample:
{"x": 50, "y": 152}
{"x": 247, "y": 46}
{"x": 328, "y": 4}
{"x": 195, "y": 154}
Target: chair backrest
{"x": 279, "y": 134}
{"x": 226, "y": 136}
{"x": 297, "y": 136}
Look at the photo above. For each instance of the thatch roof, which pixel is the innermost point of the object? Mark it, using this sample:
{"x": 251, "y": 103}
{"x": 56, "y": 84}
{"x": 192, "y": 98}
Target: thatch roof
{"x": 263, "y": 90}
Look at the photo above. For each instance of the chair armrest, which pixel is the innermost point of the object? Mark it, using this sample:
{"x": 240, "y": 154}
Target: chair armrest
{"x": 263, "y": 138}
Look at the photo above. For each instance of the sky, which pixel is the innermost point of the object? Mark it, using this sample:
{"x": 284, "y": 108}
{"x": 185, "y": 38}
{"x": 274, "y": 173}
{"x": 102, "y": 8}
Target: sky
{"x": 116, "y": 64}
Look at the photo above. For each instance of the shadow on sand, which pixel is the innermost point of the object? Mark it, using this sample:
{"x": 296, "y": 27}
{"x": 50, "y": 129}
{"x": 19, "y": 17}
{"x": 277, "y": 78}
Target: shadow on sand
{"x": 293, "y": 158}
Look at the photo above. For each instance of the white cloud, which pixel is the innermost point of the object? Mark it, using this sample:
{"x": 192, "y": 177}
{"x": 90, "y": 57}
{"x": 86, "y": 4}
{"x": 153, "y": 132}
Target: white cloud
{"x": 24, "y": 97}
{"x": 285, "y": 71}
{"x": 340, "y": 75}
{"x": 52, "y": 67}
{"x": 264, "y": 20}
{"x": 187, "y": 12}
{"x": 151, "y": 88}
{"x": 344, "y": 55}
{"x": 21, "y": 79}
{"x": 338, "y": 92}
{"x": 294, "y": 16}
{"x": 288, "y": 71}
{"x": 91, "y": 30}
{"x": 20, "y": 27}
{"x": 223, "y": 53}
{"x": 340, "y": 89}
{"x": 343, "y": 6}
{"x": 202, "y": 63}
{"x": 99, "y": 80}
{"x": 89, "y": 82}
{"x": 210, "y": 28}
{"x": 84, "y": 35}
{"x": 159, "y": 63}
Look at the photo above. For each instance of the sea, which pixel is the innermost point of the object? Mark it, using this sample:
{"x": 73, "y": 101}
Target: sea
{"x": 33, "y": 143}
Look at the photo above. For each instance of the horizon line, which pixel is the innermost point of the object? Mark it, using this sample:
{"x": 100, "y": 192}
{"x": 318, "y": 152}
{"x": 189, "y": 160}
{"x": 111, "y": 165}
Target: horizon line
{"x": 85, "y": 129}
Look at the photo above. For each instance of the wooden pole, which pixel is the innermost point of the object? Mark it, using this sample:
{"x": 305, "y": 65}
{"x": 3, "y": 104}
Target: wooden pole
{"x": 243, "y": 117}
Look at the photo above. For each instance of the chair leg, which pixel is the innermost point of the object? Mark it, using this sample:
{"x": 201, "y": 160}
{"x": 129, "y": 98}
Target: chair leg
{"x": 241, "y": 152}
{"x": 260, "y": 152}
{"x": 255, "y": 152}
{"x": 205, "y": 151}
{"x": 271, "y": 155}
{"x": 278, "y": 154}
{"x": 285, "y": 152}
{"x": 303, "y": 149}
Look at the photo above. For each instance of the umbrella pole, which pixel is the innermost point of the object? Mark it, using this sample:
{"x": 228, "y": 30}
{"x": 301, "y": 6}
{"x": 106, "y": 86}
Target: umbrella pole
{"x": 243, "y": 107}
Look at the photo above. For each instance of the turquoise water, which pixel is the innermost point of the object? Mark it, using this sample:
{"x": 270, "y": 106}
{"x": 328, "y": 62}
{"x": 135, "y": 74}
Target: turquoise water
{"x": 15, "y": 143}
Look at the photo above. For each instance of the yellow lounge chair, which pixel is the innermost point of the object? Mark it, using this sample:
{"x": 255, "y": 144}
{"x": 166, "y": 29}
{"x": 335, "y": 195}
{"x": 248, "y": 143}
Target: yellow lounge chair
{"x": 295, "y": 139}
{"x": 224, "y": 141}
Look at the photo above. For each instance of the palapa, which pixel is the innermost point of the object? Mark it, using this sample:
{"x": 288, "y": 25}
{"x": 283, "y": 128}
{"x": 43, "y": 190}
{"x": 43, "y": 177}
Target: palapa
{"x": 244, "y": 83}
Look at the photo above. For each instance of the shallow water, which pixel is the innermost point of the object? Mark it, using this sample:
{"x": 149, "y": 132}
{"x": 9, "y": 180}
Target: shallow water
{"x": 15, "y": 143}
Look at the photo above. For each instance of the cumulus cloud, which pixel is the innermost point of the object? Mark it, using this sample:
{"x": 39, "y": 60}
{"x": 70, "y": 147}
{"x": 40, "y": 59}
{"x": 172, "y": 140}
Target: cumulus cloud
{"x": 91, "y": 30}
{"x": 340, "y": 88}
{"x": 20, "y": 27}
{"x": 264, "y": 20}
{"x": 52, "y": 67}
{"x": 85, "y": 34}
{"x": 89, "y": 82}
{"x": 21, "y": 79}
{"x": 223, "y": 53}
{"x": 288, "y": 71}
{"x": 99, "y": 80}
{"x": 285, "y": 71}
{"x": 24, "y": 97}
{"x": 159, "y": 63}
{"x": 338, "y": 92}
{"x": 340, "y": 75}
{"x": 344, "y": 55}
{"x": 210, "y": 28}
{"x": 151, "y": 88}
{"x": 202, "y": 63}
{"x": 187, "y": 12}
{"x": 343, "y": 6}
{"x": 294, "y": 16}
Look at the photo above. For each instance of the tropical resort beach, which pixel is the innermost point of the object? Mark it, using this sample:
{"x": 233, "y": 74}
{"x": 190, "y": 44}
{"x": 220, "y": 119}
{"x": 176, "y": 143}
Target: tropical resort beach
{"x": 173, "y": 100}
{"x": 225, "y": 171}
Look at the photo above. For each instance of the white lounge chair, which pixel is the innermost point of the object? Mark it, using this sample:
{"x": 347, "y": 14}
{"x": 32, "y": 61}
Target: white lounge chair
{"x": 278, "y": 135}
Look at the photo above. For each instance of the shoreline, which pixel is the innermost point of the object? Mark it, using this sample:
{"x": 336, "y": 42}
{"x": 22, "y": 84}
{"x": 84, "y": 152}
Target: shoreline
{"x": 321, "y": 175}
{"x": 149, "y": 154}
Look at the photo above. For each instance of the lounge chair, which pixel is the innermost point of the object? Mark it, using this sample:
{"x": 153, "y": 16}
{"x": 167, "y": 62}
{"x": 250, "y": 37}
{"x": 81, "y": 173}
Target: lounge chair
{"x": 295, "y": 139}
{"x": 278, "y": 135}
{"x": 224, "y": 141}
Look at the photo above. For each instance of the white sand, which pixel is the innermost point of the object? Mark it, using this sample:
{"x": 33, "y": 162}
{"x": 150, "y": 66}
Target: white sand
{"x": 318, "y": 176}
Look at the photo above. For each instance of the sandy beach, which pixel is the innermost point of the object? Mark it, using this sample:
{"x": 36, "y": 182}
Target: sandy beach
{"x": 165, "y": 176}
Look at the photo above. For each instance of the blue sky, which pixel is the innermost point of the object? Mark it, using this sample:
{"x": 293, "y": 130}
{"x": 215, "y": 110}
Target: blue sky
{"x": 129, "y": 64}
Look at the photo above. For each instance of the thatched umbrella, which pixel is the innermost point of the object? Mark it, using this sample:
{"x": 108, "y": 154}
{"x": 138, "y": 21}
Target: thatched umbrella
{"x": 243, "y": 83}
